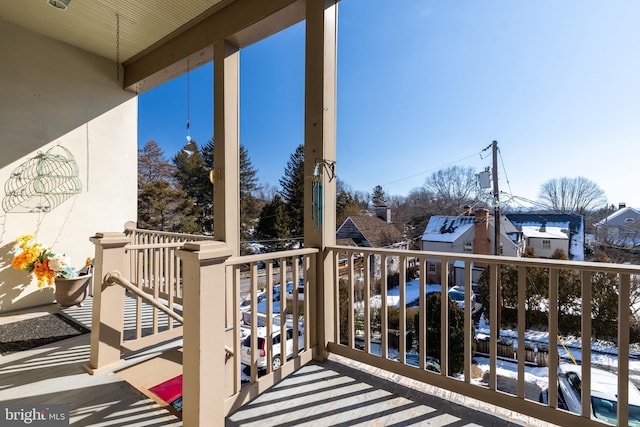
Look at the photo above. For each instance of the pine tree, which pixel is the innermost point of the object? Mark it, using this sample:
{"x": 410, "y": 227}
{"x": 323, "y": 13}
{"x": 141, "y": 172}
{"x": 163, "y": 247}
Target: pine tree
{"x": 378, "y": 198}
{"x": 274, "y": 223}
{"x": 249, "y": 210}
{"x": 193, "y": 177}
{"x": 455, "y": 333}
{"x": 293, "y": 190}
{"x": 158, "y": 197}
{"x": 346, "y": 204}
{"x": 248, "y": 203}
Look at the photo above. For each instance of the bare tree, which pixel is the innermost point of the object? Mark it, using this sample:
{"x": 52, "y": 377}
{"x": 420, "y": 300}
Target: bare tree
{"x": 266, "y": 192}
{"x": 572, "y": 195}
{"x": 411, "y": 213}
{"x": 452, "y": 188}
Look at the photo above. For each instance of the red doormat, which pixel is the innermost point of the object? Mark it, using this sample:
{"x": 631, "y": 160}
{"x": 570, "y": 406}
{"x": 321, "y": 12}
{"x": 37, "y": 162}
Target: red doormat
{"x": 170, "y": 391}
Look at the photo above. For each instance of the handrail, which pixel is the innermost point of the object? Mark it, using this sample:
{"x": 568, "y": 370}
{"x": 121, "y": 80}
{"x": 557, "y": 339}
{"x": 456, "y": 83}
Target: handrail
{"x": 115, "y": 278}
{"x": 497, "y": 259}
{"x": 183, "y": 236}
{"x": 246, "y": 259}
{"x": 139, "y": 246}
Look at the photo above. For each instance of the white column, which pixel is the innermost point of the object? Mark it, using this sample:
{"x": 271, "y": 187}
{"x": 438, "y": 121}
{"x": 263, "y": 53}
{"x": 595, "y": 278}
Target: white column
{"x": 204, "y": 357}
{"x": 320, "y": 145}
{"x": 226, "y": 113}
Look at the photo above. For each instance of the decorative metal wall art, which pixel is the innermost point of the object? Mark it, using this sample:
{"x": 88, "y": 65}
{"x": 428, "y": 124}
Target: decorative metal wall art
{"x": 43, "y": 182}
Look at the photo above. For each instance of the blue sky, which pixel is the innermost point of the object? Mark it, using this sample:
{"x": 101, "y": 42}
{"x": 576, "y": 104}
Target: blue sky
{"x": 424, "y": 85}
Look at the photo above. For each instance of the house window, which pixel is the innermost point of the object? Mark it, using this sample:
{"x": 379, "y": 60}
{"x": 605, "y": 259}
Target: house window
{"x": 432, "y": 267}
{"x": 468, "y": 247}
{"x": 629, "y": 220}
{"x": 546, "y": 244}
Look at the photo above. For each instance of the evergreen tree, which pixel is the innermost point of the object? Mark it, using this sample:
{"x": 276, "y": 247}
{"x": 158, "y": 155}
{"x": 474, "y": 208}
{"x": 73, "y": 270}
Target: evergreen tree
{"x": 378, "y": 198}
{"x": 193, "y": 178}
{"x": 293, "y": 191}
{"x": 158, "y": 197}
{"x": 274, "y": 223}
{"x": 346, "y": 203}
{"x": 207, "y": 156}
{"x": 248, "y": 203}
{"x": 249, "y": 209}
{"x": 604, "y": 302}
{"x": 455, "y": 332}
{"x": 151, "y": 164}
{"x": 346, "y": 206}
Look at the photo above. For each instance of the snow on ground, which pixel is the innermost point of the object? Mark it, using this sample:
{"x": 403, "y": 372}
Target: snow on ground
{"x": 604, "y": 354}
{"x": 537, "y": 376}
{"x": 412, "y": 293}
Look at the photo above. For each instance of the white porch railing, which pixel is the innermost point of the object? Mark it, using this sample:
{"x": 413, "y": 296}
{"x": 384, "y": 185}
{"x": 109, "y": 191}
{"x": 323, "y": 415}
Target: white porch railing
{"x": 214, "y": 285}
{"x": 277, "y": 289}
{"x": 354, "y": 266}
{"x": 211, "y": 275}
{"x": 154, "y": 267}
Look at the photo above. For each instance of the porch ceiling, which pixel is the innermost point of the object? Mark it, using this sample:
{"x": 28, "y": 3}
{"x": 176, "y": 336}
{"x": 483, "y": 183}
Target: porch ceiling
{"x": 158, "y": 40}
{"x": 91, "y": 25}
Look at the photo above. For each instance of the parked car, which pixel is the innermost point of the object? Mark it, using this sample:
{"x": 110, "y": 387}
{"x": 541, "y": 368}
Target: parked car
{"x": 604, "y": 392}
{"x": 300, "y": 293}
{"x": 262, "y": 317}
{"x": 276, "y": 360}
{"x": 431, "y": 363}
{"x": 457, "y": 294}
{"x": 245, "y": 304}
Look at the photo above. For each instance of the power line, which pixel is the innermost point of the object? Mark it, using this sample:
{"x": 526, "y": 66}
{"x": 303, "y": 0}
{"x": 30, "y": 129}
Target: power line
{"x": 504, "y": 169}
{"x": 432, "y": 169}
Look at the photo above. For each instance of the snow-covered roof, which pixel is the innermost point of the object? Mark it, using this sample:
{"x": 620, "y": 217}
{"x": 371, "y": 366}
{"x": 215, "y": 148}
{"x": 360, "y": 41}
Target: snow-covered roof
{"x": 571, "y": 222}
{"x": 447, "y": 237}
{"x": 438, "y": 223}
{"x": 545, "y": 233}
{"x": 447, "y": 228}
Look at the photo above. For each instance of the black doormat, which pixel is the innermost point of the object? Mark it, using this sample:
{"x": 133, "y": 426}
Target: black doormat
{"x": 37, "y": 331}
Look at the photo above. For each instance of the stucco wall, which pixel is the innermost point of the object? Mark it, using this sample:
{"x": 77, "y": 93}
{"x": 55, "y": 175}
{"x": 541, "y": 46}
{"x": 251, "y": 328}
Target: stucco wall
{"x": 57, "y": 95}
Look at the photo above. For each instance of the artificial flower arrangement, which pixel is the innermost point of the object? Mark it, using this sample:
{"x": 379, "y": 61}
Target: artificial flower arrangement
{"x": 35, "y": 258}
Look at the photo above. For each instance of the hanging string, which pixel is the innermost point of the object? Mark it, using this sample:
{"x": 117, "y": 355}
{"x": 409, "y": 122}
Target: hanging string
{"x": 188, "y": 103}
{"x": 118, "y": 48}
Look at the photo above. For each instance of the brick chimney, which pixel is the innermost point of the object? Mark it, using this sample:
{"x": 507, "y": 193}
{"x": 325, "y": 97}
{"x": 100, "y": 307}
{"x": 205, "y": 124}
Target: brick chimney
{"x": 481, "y": 242}
{"x": 622, "y": 205}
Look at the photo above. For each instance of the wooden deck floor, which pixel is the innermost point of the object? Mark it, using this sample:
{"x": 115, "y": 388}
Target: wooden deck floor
{"x": 53, "y": 374}
{"x": 335, "y": 393}
{"x": 338, "y": 392}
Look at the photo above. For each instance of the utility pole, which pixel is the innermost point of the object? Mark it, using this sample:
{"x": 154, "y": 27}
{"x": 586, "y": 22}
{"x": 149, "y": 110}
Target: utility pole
{"x": 496, "y": 227}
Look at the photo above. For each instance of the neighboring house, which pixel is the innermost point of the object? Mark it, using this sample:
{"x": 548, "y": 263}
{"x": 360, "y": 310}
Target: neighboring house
{"x": 547, "y": 232}
{"x": 373, "y": 232}
{"x": 472, "y": 233}
{"x": 546, "y": 240}
{"x": 621, "y": 228}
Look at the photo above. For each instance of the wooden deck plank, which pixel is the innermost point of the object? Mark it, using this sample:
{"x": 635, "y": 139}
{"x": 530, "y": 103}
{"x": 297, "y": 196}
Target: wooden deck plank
{"x": 338, "y": 392}
{"x": 53, "y": 374}
{"x": 334, "y": 394}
